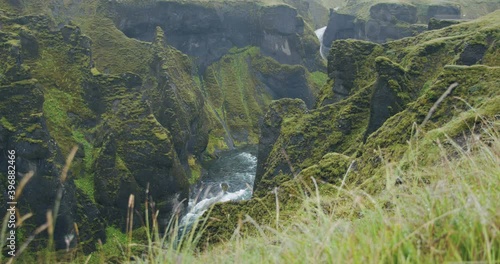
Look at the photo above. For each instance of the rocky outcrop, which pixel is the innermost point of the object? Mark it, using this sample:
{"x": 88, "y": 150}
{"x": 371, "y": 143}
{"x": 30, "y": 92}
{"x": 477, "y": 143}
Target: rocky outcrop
{"x": 270, "y": 130}
{"x": 441, "y": 23}
{"x": 349, "y": 69}
{"x": 385, "y": 22}
{"x": 385, "y": 12}
{"x": 390, "y": 93}
{"x": 207, "y": 31}
{"x": 342, "y": 26}
{"x": 444, "y": 12}
{"x": 26, "y": 126}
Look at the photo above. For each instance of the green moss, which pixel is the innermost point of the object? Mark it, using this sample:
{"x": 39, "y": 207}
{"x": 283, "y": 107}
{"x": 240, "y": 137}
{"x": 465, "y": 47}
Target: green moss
{"x": 95, "y": 71}
{"x": 331, "y": 168}
{"x": 216, "y": 144}
{"x": 114, "y": 52}
{"x": 86, "y": 184}
{"x": 85, "y": 181}
{"x": 5, "y": 123}
{"x": 195, "y": 168}
{"x": 235, "y": 97}
{"x": 116, "y": 241}
{"x": 318, "y": 78}
{"x": 57, "y": 119}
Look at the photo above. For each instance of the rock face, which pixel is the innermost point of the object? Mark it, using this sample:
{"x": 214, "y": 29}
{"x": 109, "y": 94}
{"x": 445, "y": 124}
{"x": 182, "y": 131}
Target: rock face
{"x": 444, "y": 12}
{"x": 441, "y": 23}
{"x": 386, "y": 21}
{"x": 387, "y": 12}
{"x": 390, "y": 93}
{"x": 26, "y": 127}
{"x": 208, "y": 31}
{"x": 342, "y": 26}
{"x": 347, "y": 67}
{"x": 270, "y": 130}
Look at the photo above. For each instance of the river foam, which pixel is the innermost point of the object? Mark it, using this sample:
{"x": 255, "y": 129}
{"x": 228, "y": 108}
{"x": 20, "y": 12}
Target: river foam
{"x": 236, "y": 169}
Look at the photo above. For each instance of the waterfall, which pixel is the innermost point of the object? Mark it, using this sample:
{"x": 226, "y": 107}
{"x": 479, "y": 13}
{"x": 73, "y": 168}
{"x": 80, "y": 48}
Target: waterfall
{"x": 319, "y": 33}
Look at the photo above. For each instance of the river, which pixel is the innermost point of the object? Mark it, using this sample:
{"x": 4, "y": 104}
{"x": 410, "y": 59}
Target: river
{"x": 234, "y": 169}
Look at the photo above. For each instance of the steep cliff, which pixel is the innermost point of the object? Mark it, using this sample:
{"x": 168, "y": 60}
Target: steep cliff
{"x": 381, "y": 21}
{"x": 208, "y": 31}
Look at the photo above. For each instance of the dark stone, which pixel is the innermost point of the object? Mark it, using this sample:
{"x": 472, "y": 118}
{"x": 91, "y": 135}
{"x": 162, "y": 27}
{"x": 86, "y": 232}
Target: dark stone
{"x": 17, "y": 73}
{"x": 441, "y": 23}
{"x": 346, "y": 57}
{"x": 29, "y": 44}
{"x": 387, "y": 22}
{"x": 389, "y": 88}
{"x": 443, "y": 12}
{"x": 472, "y": 54}
{"x": 387, "y": 12}
{"x": 342, "y": 26}
{"x": 288, "y": 84}
{"x": 270, "y": 131}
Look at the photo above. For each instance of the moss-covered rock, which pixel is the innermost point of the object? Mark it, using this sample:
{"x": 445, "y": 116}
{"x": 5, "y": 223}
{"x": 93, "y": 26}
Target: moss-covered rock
{"x": 304, "y": 139}
{"x": 441, "y": 23}
{"x": 475, "y": 86}
{"x": 242, "y": 85}
{"x": 391, "y": 92}
{"x": 136, "y": 151}
{"x": 349, "y": 69}
{"x": 29, "y": 122}
{"x": 279, "y": 112}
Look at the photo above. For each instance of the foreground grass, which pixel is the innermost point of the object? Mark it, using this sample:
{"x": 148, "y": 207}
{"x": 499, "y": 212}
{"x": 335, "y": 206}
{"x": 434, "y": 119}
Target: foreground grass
{"x": 445, "y": 212}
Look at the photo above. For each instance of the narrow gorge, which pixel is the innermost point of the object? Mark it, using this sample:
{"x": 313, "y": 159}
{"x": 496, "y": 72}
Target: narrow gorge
{"x": 223, "y": 119}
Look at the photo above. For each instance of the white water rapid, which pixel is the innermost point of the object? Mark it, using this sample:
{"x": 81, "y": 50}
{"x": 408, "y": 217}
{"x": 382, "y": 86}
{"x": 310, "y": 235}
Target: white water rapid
{"x": 236, "y": 170}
